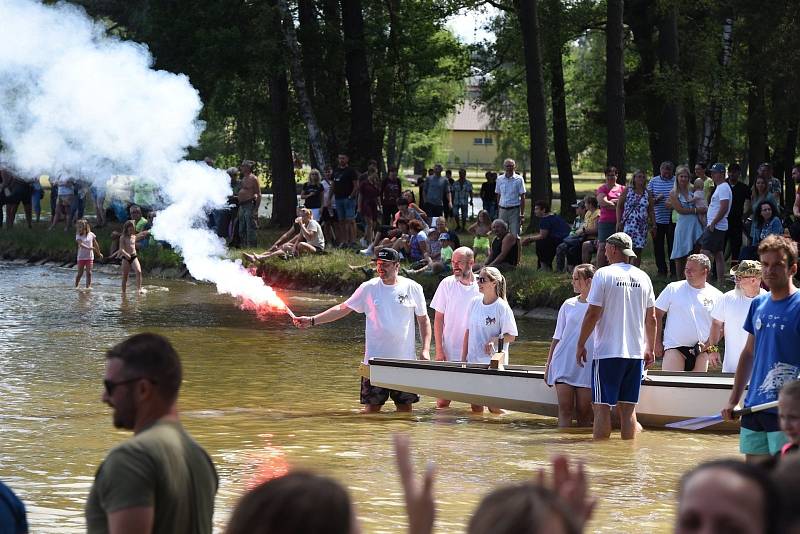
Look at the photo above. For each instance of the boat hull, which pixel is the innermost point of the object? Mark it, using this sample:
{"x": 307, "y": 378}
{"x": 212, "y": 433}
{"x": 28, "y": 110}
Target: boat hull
{"x": 665, "y": 396}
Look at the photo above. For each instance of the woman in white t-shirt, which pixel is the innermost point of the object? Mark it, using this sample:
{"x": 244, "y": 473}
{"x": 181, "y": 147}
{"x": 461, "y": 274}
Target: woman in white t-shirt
{"x": 489, "y": 318}
{"x": 573, "y": 384}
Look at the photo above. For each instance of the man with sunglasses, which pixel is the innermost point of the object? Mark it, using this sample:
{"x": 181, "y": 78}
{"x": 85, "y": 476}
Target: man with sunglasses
{"x": 390, "y": 304}
{"x": 451, "y": 302}
{"x": 160, "y": 480}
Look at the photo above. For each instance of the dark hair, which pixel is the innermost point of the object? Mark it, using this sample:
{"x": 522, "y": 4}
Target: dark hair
{"x": 786, "y": 476}
{"x": 779, "y": 243}
{"x": 153, "y": 357}
{"x": 701, "y": 165}
{"x": 297, "y": 502}
{"x": 401, "y": 220}
{"x": 415, "y": 225}
{"x": 413, "y": 196}
{"x": 757, "y": 213}
{"x": 753, "y": 473}
{"x": 734, "y": 167}
{"x": 608, "y": 169}
{"x": 393, "y": 168}
{"x": 543, "y": 204}
{"x": 590, "y": 200}
{"x": 402, "y": 201}
{"x": 519, "y": 509}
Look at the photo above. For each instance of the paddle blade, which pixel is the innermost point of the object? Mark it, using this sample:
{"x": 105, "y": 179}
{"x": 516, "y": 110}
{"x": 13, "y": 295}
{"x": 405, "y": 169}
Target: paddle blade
{"x": 697, "y": 423}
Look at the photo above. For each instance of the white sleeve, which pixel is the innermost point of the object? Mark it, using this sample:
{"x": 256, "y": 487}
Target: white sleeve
{"x": 650, "y": 294}
{"x": 665, "y": 298}
{"x": 420, "y": 308}
{"x": 597, "y": 290}
{"x": 562, "y": 319}
{"x": 439, "y": 300}
{"x": 358, "y": 300}
{"x": 522, "y": 187}
{"x": 509, "y": 325}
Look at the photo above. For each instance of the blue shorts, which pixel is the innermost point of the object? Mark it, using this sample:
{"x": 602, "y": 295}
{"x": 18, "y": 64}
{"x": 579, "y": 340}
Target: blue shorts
{"x": 616, "y": 380}
{"x": 761, "y": 434}
{"x": 345, "y": 208}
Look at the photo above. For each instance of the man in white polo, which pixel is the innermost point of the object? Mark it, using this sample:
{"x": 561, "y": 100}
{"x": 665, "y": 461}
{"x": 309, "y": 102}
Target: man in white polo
{"x": 622, "y": 308}
{"x": 712, "y": 242}
{"x": 451, "y": 302}
{"x": 687, "y": 305}
{"x": 390, "y": 304}
{"x": 510, "y": 191}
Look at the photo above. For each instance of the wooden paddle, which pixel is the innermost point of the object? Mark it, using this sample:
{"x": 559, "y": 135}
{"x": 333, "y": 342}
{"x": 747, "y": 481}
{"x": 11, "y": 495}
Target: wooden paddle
{"x": 708, "y": 420}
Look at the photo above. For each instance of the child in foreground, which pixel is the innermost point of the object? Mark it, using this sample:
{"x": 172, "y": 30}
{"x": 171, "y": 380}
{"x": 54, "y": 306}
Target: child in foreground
{"x": 789, "y": 416}
{"x": 87, "y": 246}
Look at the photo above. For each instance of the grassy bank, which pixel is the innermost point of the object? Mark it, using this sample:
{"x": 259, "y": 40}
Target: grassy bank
{"x": 331, "y": 273}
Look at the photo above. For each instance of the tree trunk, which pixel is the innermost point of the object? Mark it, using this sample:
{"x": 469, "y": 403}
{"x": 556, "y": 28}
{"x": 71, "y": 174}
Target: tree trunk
{"x": 391, "y": 148}
{"x": 315, "y": 137}
{"x": 362, "y": 146}
{"x": 669, "y": 125}
{"x": 756, "y": 127}
{"x": 640, "y": 17}
{"x": 541, "y": 181}
{"x": 712, "y": 122}
{"x": 789, "y": 152}
{"x": 331, "y": 102}
{"x": 690, "y": 118}
{"x": 566, "y": 181}
{"x": 615, "y": 86}
{"x": 284, "y": 199}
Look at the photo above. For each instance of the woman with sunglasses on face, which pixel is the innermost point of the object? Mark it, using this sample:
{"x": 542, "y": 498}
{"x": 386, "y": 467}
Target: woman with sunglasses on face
{"x": 489, "y": 318}
{"x": 573, "y": 384}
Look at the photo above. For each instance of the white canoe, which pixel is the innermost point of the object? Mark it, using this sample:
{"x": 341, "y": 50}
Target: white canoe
{"x": 665, "y": 396}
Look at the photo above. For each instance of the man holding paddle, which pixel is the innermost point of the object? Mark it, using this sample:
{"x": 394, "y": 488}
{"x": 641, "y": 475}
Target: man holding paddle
{"x": 771, "y": 356}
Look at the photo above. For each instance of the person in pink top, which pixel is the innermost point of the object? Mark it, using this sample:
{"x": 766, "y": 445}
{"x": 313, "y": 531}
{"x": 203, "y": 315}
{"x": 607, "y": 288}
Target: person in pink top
{"x": 87, "y": 245}
{"x": 608, "y": 195}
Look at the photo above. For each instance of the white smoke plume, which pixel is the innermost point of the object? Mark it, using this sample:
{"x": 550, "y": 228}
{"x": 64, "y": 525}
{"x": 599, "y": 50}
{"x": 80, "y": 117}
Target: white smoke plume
{"x": 77, "y": 101}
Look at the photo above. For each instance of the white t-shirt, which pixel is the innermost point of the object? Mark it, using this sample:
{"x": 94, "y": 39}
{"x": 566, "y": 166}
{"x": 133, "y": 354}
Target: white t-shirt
{"x": 688, "y": 313}
{"x": 453, "y": 299}
{"x": 625, "y": 292}
{"x": 731, "y": 309}
{"x": 88, "y": 240}
{"x": 486, "y": 323}
{"x": 563, "y": 367}
{"x": 318, "y": 239}
{"x": 390, "y": 314}
{"x": 722, "y": 192}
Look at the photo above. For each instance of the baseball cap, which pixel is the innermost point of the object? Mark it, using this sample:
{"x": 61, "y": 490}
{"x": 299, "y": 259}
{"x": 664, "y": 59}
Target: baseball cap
{"x": 579, "y": 204}
{"x": 718, "y": 167}
{"x": 747, "y": 268}
{"x": 623, "y": 242}
{"x": 388, "y": 254}
{"x": 444, "y": 237}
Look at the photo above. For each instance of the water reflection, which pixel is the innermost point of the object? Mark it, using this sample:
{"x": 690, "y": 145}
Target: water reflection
{"x": 261, "y": 395}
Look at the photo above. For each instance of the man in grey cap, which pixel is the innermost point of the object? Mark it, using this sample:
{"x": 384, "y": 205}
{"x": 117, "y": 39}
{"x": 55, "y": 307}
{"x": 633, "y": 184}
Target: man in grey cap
{"x": 622, "y": 315}
{"x": 712, "y": 242}
{"x": 390, "y": 303}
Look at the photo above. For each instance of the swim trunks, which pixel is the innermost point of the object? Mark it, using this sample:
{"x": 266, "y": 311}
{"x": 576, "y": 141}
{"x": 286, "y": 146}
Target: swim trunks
{"x": 616, "y": 380}
{"x": 130, "y": 260}
{"x": 690, "y": 355}
{"x": 377, "y": 395}
{"x": 761, "y": 434}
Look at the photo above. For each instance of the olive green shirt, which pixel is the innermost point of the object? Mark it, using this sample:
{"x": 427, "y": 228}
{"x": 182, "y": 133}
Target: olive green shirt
{"x": 162, "y": 467}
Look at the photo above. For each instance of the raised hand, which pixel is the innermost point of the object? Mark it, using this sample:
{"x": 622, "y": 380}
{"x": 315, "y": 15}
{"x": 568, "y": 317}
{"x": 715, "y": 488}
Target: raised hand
{"x": 420, "y": 504}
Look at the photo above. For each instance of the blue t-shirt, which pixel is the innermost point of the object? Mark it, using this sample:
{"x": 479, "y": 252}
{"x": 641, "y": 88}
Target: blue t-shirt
{"x": 556, "y": 227}
{"x": 776, "y": 327}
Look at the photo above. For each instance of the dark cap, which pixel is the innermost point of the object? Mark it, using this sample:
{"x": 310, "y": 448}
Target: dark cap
{"x": 718, "y": 167}
{"x": 388, "y": 254}
{"x": 444, "y": 237}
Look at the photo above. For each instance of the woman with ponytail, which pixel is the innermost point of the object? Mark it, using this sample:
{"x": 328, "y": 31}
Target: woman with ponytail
{"x": 490, "y": 319}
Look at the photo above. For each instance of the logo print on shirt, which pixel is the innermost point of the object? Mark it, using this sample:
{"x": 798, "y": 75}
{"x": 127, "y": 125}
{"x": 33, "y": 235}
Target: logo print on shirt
{"x": 781, "y": 373}
{"x": 490, "y": 320}
{"x": 402, "y": 298}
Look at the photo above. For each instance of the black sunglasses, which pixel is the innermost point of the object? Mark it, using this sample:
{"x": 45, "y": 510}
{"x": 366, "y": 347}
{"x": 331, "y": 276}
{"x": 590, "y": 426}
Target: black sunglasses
{"x": 111, "y": 386}
{"x": 482, "y": 279}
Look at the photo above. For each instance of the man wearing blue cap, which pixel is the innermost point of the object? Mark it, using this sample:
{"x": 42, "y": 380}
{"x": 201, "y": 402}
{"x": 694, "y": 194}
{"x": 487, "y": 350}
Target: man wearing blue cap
{"x": 390, "y": 304}
{"x": 712, "y": 242}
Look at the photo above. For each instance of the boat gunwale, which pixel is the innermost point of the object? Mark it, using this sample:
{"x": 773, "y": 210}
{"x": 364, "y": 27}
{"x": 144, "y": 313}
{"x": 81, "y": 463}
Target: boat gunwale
{"x": 525, "y": 371}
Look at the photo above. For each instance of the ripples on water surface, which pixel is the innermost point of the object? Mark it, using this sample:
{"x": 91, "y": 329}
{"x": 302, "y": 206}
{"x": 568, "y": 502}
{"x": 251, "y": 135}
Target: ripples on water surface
{"x": 260, "y": 395}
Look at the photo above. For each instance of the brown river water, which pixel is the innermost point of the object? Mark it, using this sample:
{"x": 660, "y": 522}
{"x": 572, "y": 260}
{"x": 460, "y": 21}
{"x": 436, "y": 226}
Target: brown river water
{"x": 260, "y": 395}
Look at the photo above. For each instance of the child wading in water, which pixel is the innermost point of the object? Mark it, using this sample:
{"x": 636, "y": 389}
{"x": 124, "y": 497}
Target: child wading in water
{"x": 87, "y": 245}
{"x": 127, "y": 253}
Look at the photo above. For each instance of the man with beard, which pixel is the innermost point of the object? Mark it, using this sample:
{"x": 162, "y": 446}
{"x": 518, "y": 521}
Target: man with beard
{"x": 390, "y": 304}
{"x": 451, "y": 302}
{"x": 160, "y": 480}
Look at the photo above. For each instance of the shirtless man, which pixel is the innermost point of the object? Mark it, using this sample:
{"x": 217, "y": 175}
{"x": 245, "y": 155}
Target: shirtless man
{"x": 249, "y": 200}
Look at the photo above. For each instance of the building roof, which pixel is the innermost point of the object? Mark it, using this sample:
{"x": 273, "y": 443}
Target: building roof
{"x": 470, "y": 116}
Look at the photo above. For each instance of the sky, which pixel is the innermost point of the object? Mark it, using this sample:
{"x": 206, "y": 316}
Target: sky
{"x": 468, "y": 25}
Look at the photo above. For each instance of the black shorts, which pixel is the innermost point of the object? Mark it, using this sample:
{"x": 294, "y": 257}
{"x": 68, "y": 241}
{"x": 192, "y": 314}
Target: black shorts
{"x": 713, "y": 240}
{"x": 690, "y": 354}
{"x": 377, "y": 395}
{"x": 327, "y": 216}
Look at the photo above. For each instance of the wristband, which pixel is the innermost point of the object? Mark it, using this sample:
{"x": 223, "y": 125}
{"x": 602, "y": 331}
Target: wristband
{"x": 712, "y": 348}
{"x": 312, "y": 321}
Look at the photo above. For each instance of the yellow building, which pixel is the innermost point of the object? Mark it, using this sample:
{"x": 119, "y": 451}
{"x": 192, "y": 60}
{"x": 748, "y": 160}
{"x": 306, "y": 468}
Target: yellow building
{"x": 471, "y": 141}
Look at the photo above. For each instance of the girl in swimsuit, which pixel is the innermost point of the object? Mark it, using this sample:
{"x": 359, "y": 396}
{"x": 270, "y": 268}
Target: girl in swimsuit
{"x": 127, "y": 253}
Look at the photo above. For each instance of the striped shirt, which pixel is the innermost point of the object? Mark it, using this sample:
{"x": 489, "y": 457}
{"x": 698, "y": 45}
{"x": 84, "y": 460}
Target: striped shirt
{"x": 661, "y": 187}
{"x": 510, "y": 190}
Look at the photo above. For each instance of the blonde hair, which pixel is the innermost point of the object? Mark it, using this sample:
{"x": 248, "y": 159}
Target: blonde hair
{"x": 676, "y": 187}
{"x": 305, "y": 212}
{"x": 494, "y": 274}
{"x": 83, "y": 223}
{"x": 585, "y": 271}
{"x": 312, "y": 173}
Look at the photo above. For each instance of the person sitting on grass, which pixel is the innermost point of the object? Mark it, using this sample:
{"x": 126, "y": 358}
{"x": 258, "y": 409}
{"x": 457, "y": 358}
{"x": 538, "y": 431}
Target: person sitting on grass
{"x": 415, "y": 247}
{"x": 480, "y": 229}
{"x": 310, "y": 240}
{"x": 505, "y": 252}
{"x": 552, "y": 230}
{"x": 440, "y": 262}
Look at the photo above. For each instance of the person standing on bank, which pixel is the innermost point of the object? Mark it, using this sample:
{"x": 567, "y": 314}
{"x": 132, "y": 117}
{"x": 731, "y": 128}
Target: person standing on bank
{"x": 510, "y": 191}
{"x": 160, "y": 480}
{"x": 249, "y": 200}
{"x": 608, "y": 196}
{"x": 437, "y": 192}
{"x": 688, "y": 229}
{"x": 573, "y": 384}
{"x": 770, "y": 357}
{"x": 622, "y": 308}
{"x": 730, "y": 312}
{"x": 687, "y": 305}
{"x": 390, "y": 303}
{"x": 712, "y": 242}
{"x": 451, "y": 303}
{"x": 660, "y": 187}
